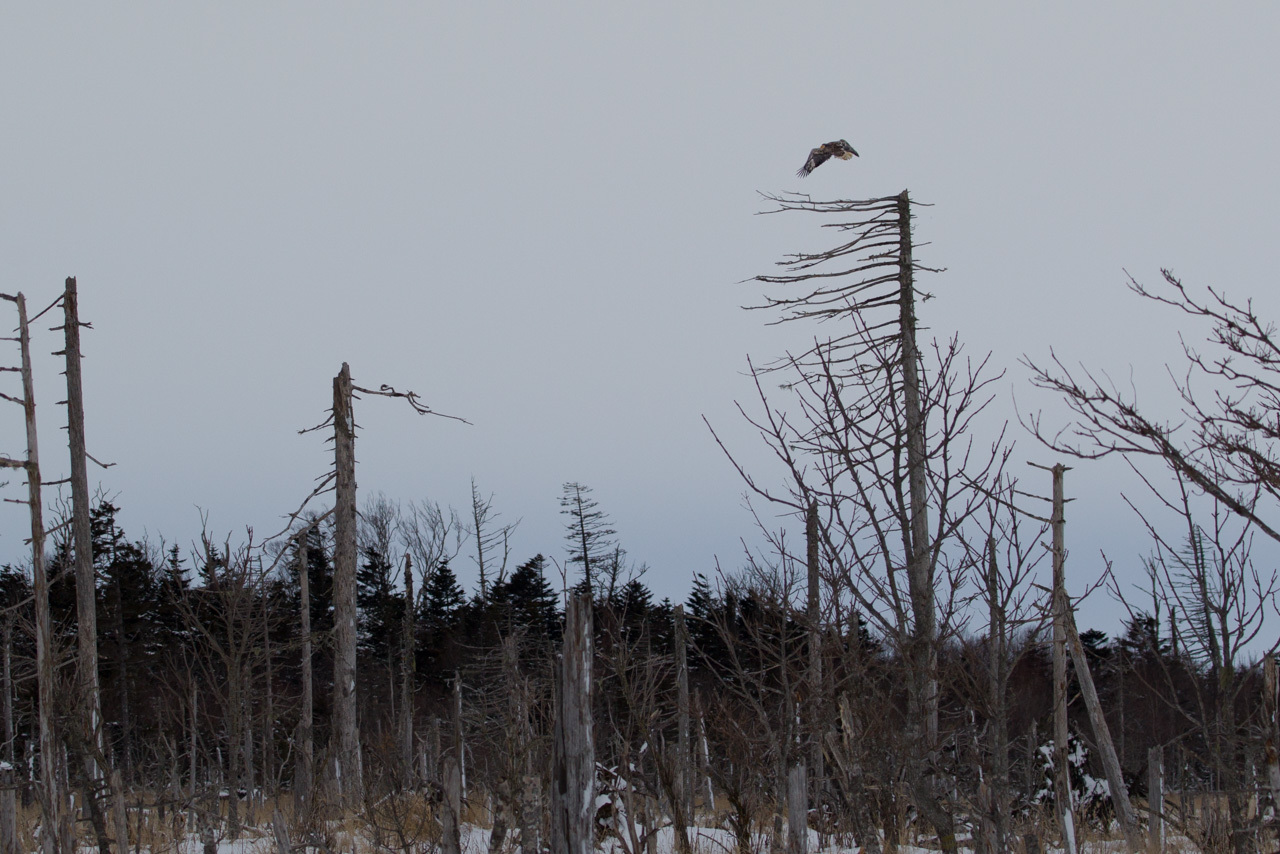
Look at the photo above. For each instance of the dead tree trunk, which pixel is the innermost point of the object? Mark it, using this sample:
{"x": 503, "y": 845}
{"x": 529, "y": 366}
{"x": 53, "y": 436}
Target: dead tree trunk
{"x": 304, "y": 769}
{"x": 58, "y": 837}
{"x": 704, "y": 755}
{"x": 119, "y": 816}
{"x": 923, "y": 694}
{"x": 8, "y": 811}
{"x": 797, "y": 810}
{"x": 1061, "y": 772}
{"x": 346, "y": 734}
{"x": 999, "y": 703}
{"x": 1271, "y": 726}
{"x": 1155, "y": 795}
{"x": 269, "y": 716}
{"x": 504, "y": 792}
{"x": 530, "y": 792}
{"x": 1102, "y": 734}
{"x": 817, "y": 693}
{"x": 88, "y": 686}
{"x": 120, "y": 653}
{"x": 451, "y": 808}
{"x": 459, "y": 745}
{"x": 684, "y": 767}
{"x": 8, "y": 793}
{"x": 406, "y": 676}
{"x": 919, "y": 574}
{"x": 573, "y": 776}
{"x": 193, "y": 738}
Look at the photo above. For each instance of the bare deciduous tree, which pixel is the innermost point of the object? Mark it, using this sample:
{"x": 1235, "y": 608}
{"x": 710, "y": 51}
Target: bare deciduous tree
{"x": 1227, "y": 442}
{"x": 881, "y": 441}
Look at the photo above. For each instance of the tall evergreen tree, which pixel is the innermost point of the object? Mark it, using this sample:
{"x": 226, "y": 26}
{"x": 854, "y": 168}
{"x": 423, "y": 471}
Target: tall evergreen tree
{"x": 706, "y": 616}
{"x": 442, "y": 596}
{"x": 442, "y": 607}
{"x": 381, "y": 605}
{"x": 527, "y": 600}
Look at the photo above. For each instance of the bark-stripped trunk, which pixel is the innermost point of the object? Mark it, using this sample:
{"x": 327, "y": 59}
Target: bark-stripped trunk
{"x": 573, "y": 774}
{"x": 88, "y": 686}
{"x": 797, "y": 810}
{"x": 120, "y": 650}
{"x": 817, "y": 691}
{"x": 346, "y": 734}
{"x": 269, "y": 724}
{"x": 8, "y": 779}
{"x": 1155, "y": 795}
{"x": 406, "y": 676}
{"x": 684, "y": 766}
{"x": 923, "y": 678}
{"x": 304, "y": 769}
{"x": 193, "y": 734}
{"x": 998, "y": 701}
{"x": 451, "y": 808}
{"x": 58, "y": 838}
{"x": 1061, "y": 772}
{"x": 1102, "y": 734}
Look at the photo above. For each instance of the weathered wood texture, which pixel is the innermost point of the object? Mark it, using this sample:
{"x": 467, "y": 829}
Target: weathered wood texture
{"x": 88, "y": 685}
{"x": 451, "y": 807}
{"x": 1102, "y": 735}
{"x": 346, "y": 737}
{"x": 919, "y": 566}
{"x": 797, "y": 810}
{"x": 1271, "y": 726}
{"x": 8, "y": 794}
{"x": 8, "y": 811}
{"x": 684, "y": 771}
{"x": 304, "y": 768}
{"x": 816, "y": 715}
{"x": 573, "y": 774}
{"x": 1155, "y": 800}
{"x": 998, "y": 731}
{"x": 406, "y": 675}
{"x": 1061, "y": 778}
{"x": 53, "y": 802}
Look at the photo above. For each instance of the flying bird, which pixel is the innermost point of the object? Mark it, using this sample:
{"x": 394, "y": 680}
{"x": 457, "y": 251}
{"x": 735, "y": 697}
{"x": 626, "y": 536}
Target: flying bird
{"x": 824, "y": 152}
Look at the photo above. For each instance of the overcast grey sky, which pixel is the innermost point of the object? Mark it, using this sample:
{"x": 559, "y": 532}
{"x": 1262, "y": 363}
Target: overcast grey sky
{"x": 537, "y": 216}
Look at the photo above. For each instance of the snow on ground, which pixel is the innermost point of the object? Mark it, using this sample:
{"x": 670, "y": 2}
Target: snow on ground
{"x": 475, "y": 840}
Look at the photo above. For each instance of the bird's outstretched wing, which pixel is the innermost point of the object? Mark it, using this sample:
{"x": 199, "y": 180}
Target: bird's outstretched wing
{"x": 817, "y": 157}
{"x": 825, "y": 152}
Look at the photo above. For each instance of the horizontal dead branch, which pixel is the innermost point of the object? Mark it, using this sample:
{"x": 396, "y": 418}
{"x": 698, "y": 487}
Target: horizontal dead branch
{"x": 411, "y": 398}
{"x": 99, "y": 462}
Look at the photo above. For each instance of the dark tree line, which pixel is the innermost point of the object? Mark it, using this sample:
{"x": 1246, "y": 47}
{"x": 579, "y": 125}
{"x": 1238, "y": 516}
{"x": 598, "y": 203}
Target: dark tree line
{"x": 200, "y": 675}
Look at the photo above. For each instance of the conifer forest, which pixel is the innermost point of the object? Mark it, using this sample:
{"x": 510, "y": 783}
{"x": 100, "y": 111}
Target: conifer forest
{"x": 899, "y": 668}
